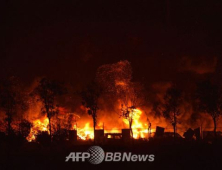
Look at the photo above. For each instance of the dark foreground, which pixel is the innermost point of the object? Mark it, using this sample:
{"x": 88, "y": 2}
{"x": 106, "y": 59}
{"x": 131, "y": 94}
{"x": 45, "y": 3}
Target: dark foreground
{"x": 168, "y": 155}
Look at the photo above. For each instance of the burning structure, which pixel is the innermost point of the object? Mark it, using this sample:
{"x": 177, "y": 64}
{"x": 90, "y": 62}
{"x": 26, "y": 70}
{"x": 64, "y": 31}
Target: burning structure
{"x": 113, "y": 107}
{"x": 141, "y": 77}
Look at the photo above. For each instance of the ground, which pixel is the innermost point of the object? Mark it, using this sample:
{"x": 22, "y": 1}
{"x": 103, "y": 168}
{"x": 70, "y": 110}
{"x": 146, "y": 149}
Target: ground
{"x": 168, "y": 155}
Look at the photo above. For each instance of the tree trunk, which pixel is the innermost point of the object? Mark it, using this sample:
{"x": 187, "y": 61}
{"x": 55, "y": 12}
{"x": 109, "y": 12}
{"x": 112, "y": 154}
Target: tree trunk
{"x": 9, "y": 128}
{"x": 174, "y": 125}
{"x": 9, "y": 119}
{"x": 215, "y": 127}
{"x": 130, "y": 126}
{"x": 50, "y": 130}
{"x": 94, "y": 127}
{"x": 174, "y": 130}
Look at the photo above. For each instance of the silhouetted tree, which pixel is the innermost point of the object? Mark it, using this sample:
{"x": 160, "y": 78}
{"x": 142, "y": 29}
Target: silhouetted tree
{"x": 12, "y": 100}
{"x": 25, "y": 127}
{"x": 48, "y": 90}
{"x": 172, "y": 101}
{"x": 209, "y": 101}
{"x": 131, "y": 98}
{"x": 90, "y": 97}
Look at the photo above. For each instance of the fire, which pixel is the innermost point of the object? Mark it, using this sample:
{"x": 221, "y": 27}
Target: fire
{"x": 114, "y": 130}
{"x": 38, "y": 125}
{"x": 85, "y": 133}
{"x": 139, "y": 128}
{"x": 120, "y": 83}
{"x": 85, "y": 130}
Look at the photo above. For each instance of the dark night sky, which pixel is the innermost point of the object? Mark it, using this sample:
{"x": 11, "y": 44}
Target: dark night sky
{"x": 69, "y": 40}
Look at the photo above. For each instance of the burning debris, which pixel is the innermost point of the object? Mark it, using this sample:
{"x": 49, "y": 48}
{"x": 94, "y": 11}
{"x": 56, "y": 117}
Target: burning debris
{"x": 112, "y": 105}
{"x": 39, "y": 125}
{"x": 139, "y": 128}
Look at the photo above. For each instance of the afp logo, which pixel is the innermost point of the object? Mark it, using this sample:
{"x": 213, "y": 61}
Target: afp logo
{"x": 95, "y": 155}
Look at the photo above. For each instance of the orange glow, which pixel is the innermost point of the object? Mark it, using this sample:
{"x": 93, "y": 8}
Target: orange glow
{"x": 120, "y": 83}
{"x": 38, "y": 125}
{"x": 85, "y": 128}
{"x": 139, "y": 128}
{"x": 85, "y": 133}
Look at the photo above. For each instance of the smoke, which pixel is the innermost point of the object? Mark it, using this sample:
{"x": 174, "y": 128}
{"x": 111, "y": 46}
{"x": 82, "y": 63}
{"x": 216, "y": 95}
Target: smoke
{"x": 115, "y": 79}
{"x": 198, "y": 65}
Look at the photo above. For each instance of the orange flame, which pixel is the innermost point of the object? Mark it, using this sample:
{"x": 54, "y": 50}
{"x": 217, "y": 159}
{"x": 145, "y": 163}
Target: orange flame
{"x": 85, "y": 133}
{"x": 139, "y": 127}
{"x": 38, "y": 125}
